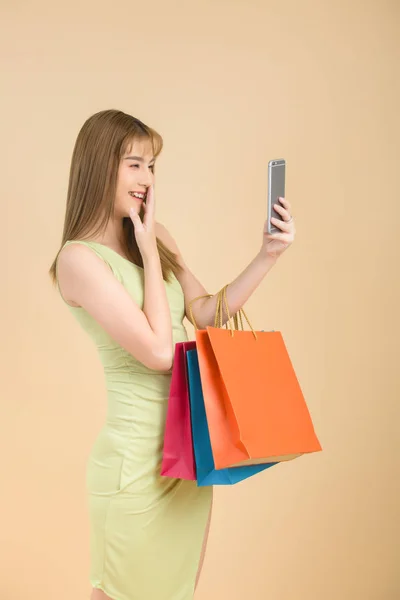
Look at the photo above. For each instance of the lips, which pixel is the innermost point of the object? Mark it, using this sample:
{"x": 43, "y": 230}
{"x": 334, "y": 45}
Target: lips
{"x": 142, "y": 197}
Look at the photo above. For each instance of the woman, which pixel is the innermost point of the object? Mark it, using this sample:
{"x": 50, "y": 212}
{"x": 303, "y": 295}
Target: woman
{"x": 123, "y": 278}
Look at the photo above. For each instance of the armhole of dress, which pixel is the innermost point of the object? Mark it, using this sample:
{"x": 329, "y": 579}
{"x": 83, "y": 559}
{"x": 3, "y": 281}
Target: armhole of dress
{"x": 58, "y": 285}
{"x": 88, "y": 245}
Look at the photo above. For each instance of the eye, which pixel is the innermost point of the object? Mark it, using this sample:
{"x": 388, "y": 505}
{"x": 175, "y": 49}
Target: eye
{"x": 151, "y": 167}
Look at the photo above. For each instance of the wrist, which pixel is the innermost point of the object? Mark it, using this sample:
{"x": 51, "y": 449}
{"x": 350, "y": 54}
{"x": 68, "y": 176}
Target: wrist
{"x": 151, "y": 257}
{"x": 266, "y": 260}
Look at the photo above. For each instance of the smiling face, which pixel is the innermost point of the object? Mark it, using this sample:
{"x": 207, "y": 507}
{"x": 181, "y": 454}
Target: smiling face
{"x": 135, "y": 175}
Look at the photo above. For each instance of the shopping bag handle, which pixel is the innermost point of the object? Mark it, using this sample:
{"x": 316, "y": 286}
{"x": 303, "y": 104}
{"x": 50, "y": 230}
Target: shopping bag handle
{"x": 222, "y": 298}
{"x": 218, "y": 317}
{"x": 218, "y": 313}
{"x": 191, "y": 311}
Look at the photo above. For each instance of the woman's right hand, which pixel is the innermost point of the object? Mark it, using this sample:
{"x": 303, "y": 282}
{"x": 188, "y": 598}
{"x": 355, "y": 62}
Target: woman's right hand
{"x": 145, "y": 231}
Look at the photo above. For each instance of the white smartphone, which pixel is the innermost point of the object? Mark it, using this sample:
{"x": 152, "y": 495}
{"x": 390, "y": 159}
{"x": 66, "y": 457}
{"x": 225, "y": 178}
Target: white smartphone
{"x": 276, "y": 189}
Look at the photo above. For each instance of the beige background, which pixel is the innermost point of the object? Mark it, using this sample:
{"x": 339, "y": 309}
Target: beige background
{"x": 230, "y": 85}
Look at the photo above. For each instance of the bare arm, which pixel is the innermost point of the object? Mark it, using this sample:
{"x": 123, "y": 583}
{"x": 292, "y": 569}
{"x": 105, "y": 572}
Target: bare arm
{"x": 239, "y": 290}
{"x": 156, "y": 307}
{"x": 85, "y": 280}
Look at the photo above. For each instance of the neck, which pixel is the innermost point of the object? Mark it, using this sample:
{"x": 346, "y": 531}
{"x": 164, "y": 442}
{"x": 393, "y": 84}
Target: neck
{"x": 112, "y": 236}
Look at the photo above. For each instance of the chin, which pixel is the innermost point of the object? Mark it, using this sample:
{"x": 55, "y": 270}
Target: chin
{"x": 124, "y": 213}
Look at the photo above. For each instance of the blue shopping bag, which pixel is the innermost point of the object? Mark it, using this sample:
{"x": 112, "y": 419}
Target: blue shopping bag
{"x": 206, "y": 472}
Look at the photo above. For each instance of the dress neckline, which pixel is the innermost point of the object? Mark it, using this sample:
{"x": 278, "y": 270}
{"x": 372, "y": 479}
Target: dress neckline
{"x": 114, "y": 251}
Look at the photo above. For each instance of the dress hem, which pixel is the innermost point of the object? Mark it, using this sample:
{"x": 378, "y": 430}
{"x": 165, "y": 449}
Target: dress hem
{"x": 99, "y": 586}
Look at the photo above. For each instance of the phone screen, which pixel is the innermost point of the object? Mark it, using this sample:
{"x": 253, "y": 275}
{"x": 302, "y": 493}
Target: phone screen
{"x": 276, "y": 186}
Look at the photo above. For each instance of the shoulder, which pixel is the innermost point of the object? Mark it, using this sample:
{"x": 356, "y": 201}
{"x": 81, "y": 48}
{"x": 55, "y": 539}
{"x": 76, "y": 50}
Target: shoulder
{"x": 81, "y": 270}
{"x": 75, "y": 253}
{"x": 167, "y": 239}
{"x": 191, "y": 286}
{"x": 162, "y": 233}
{"x": 73, "y": 262}
{"x": 77, "y": 260}
{"x": 169, "y": 242}
{"x": 70, "y": 255}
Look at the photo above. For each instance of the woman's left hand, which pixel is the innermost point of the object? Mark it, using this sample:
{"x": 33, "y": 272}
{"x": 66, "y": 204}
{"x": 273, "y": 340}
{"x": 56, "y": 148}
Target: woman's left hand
{"x": 276, "y": 243}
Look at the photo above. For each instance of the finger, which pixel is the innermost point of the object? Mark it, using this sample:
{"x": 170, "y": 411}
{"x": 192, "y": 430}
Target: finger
{"x": 282, "y": 225}
{"x": 149, "y": 204}
{"x": 287, "y": 238}
{"x": 135, "y": 219}
{"x": 150, "y": 199}
{"x": 286, "y": 204}
{"x": 282, "y": 211}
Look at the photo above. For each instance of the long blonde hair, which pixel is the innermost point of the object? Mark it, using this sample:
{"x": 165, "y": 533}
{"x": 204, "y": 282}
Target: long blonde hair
{"x": 102, "y": 141}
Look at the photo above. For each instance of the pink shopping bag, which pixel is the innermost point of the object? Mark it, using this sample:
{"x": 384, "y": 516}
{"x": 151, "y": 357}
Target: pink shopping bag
{"x": 178, "y": 455}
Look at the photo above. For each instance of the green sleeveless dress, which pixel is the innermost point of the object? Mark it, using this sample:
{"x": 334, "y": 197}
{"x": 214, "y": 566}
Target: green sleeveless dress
{"x": 146, "y": 531}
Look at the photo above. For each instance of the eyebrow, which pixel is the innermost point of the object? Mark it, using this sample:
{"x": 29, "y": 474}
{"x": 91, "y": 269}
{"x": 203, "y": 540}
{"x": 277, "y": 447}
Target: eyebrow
{"x": 139, "y": 158}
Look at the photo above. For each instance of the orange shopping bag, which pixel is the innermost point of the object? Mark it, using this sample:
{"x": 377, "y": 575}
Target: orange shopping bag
{"x": 255, "y": 408}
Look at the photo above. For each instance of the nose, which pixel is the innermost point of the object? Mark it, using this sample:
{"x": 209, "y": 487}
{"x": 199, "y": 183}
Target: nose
{"x": 146, "y": 179}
